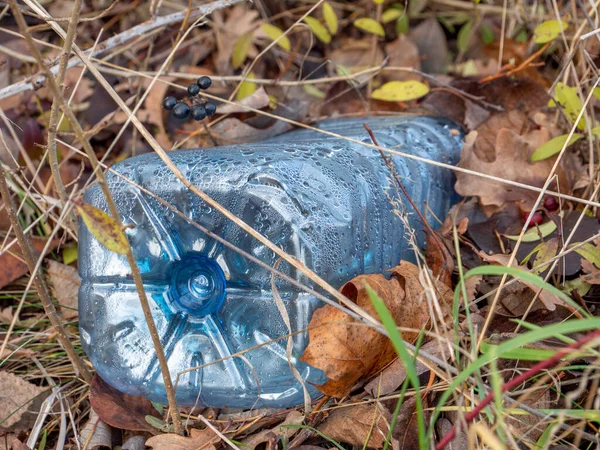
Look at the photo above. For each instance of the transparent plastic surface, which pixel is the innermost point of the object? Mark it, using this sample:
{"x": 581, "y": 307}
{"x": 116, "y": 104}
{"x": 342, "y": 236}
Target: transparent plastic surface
{"x": 325, "y": 201}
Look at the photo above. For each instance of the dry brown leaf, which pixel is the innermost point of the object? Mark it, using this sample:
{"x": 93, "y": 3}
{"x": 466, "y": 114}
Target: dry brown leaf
{"x": 549, "y": 299}
{"x": 439, "y": 260}
{"x": 16, "y": 394}
{"x": 95, "y": 433}
{"x": 431, "y": 42}
{"x": 346, "y": 350}
{"x": 65, "y": 287}
{"x": 356, "y": 423}
{"x": 197, "y": 440}
{"x": 123, "y": 411}
{"x": 280, "y": 431}
{"x": 353, "y": 56}
{"x": 257, "y": 100}
{"x": 510, "y": 161}
{"x": 11, "y": 261}
{"x": 402, "y": 52}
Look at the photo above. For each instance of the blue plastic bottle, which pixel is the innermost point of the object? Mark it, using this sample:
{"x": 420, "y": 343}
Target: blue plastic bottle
{"x": 326, "y": 201}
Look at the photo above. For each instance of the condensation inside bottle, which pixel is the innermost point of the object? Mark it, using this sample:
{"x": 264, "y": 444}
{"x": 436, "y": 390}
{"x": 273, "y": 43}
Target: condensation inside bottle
{"x": 326, "y": 201}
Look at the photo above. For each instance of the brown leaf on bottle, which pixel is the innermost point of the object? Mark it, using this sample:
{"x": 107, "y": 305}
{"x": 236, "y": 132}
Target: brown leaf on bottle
{"x": 197, "y": 440}
{"x": 359, "y": 424}
{"x": 12, "y": 263}
{"x": 122, "y": 411}
{"x": 347, "y": 350}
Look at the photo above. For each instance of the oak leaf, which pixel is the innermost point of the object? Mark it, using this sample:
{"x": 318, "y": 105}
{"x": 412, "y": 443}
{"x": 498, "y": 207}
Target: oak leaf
{"x": 198, "y": 439}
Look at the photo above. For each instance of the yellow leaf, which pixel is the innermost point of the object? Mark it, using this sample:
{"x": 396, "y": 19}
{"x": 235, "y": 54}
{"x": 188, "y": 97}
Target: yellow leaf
{"x": 241, "y": 49}
{"x": 535, "y": 233}
{"x": 275, "y": 34}
{"x": 548, "y": 31}
{"x": 330, "y": 17}
{"x": 378, "y": 2}
{"x": 389, "y": 15}
{"x": 370, "y": 26}
{"x": 310, "y": 89}
{"x": 104, "y": 228}
{"x": 596, "y": 130}
{"x": 567, "y": 97}
{"x": 247, "y": 87}
{"x": 318, "y": 29}
{"x": 401, "y": 91}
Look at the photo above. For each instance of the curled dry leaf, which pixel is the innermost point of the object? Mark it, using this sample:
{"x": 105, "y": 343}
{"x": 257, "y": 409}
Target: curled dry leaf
{"x": 280, "y": 431}
{"x": 347, "y": 350}
{"x": 257, "y": 100}
{"x": 197, "y": 440}
{"x": 365, "y": 423}
{"x": 353, "y": 56}
{"x": 95, "y": 433}
{"x": 402, "y": 52}
{"x": 65, "y": 287}
{"x": 123, "y": 411}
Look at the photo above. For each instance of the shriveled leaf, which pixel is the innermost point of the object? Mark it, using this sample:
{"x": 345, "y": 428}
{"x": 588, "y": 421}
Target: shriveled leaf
{"x": 359, "y": 425}
{"x": 554, "y": 146}
{"x": 464, "y": 36}
{"x": 548, "y": 31}
{"x": 247, "y": 88}
{"x": 275, "y": 34}
{"x": 569, "y": 100}
{"x": 104, "y": 228}
{"x": 123, "y": 411}
{"x": 330, "y": 17}
{"x": 65, "y": 287}
{"x": 95, "y": 433}
{"x": 318, "y": 29}
{"x": 198, "y": 439}
{"x": 535, "y": 233}
{"x": 370, "y": 26}
{"x": 241, "y": 49}
{"x": 401, "y": 91}
{"x": 389, "y": 15}
{"x": 347, "y": 351}
{"x": 589, "y": 252}
{"x": 283, "y": 430}
{"x": 16, "y": 394}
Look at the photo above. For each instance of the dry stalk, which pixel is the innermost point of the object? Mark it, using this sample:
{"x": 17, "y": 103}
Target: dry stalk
{"x": 174, "y": 411}
{"x": 38, "y": 281}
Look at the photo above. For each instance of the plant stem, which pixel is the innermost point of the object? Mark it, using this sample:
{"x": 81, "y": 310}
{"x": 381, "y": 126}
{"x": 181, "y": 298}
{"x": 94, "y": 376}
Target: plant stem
{"x": 38, "y": 281}
{"x": 174, "y": 411}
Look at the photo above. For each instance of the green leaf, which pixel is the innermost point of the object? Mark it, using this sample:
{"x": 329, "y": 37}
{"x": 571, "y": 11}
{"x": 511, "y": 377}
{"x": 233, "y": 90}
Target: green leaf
{"x": 330, "y": 17}
{"x": 104, "y": 228}
{"x": 318, "y": 29}
{"x": 158, "y": 424}
{"x": 548, "y": 31}
{"x": 313, "y": 91}
{"x": 588, "y": 252}
{"x": 241, "y": 49}
{"x": 568, "y": 99}
{"x": 402, "y": 24}
{"x": 596, "y": 131}
{"x": 596, "y": 92}
{"x": 487, "y": 35}
{"x": 275, "y": 34}
{"x": 370, "y": 26}
{"x": 401, "y": 91}
{"x": 554, "y": 146}
{"x": 69, "y": 254}
{"x": 464, "y": 37}
{"x": 535, "y": 233}
{"x": 247, "y": 87}
{"x": 389, "y": 15}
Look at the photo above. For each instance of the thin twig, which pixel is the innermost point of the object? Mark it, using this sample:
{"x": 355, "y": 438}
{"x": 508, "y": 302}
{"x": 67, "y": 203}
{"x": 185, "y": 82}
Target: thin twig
{"x": 177, "y": 425}
{"x": 38, "y": 281}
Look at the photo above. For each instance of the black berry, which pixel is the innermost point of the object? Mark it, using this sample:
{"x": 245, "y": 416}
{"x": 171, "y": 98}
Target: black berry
{"x": 181, "y": 110}
{"x": 204, "y": 82}
{"x": 210, "y": 108}
{"x": 193, "y": 89}
{"x": 169, "y": 103}
{"x": 198, "y": 112}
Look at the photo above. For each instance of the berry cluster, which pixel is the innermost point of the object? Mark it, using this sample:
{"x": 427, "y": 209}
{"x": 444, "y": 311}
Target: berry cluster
{"x": 198, "y": 111}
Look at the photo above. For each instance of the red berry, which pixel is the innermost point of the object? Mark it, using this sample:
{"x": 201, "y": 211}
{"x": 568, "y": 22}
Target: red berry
{"x": 551, "y": 203}
{"x": 536, "y": 218}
